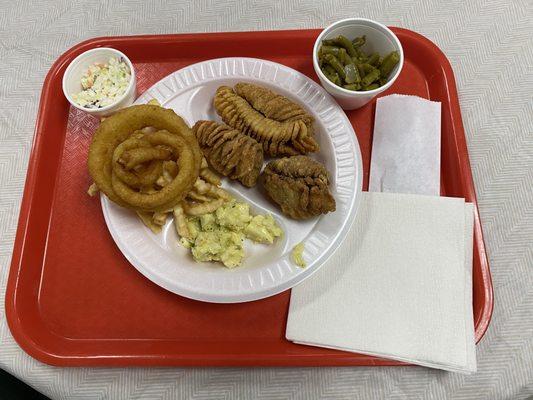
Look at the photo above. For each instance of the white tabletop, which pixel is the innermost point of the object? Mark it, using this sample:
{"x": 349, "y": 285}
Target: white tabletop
{"x": 489, "y": 46}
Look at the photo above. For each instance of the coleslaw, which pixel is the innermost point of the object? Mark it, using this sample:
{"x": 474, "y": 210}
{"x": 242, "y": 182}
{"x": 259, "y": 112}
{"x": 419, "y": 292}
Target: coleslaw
{"x": 103, "y": 84}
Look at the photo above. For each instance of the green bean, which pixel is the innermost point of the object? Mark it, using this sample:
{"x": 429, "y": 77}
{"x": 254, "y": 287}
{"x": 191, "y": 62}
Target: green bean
{"x": 336, "y": 64}
{"x": 370, "y": 87}
{"x": 367, "y": 68}
{"x": 389, "y": 62}
{"x": 343, "y": 56}
{"x": 348, "y": 60}
{"x": 362, "y": 72}
{"x": 346, "y": 43}
{"x": 344, "y": 63}
{"x": 352, "y": 86}
{"x": 355, "y": 58}
{"x": 358, "y": 54}
{"x": 351, "y": 73}
{"x": 333, "y": 77}
{"x": 329, "y": 69}
{"x": 324, "y": 49}
{"x": 330, "y": 73}
{"x": 362, "y": 58}
{"x": 373, "y": 59}
{"x": 370, "y": 77}
{"x": 359, "y": 41}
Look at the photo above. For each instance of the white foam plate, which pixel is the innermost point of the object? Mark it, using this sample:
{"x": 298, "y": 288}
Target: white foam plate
{"x": 266, "y": 270}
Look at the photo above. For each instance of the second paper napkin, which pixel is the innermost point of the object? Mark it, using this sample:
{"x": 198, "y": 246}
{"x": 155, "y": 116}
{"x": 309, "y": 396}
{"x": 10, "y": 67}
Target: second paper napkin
{"x": 406, "y": 146}
{"x": 399, "y": 287}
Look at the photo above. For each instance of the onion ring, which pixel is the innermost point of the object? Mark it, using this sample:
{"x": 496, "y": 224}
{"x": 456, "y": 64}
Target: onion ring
{"x": 146, "y": 177}
{"x": 131, "y": 158}
{"x": 169, "y": 195}
{"x": 136, "y": 179}
{"x": 118, "y": 183}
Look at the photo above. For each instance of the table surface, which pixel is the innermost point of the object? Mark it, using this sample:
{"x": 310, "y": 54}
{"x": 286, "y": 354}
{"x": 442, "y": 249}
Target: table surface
{"x": 491, "y": 51}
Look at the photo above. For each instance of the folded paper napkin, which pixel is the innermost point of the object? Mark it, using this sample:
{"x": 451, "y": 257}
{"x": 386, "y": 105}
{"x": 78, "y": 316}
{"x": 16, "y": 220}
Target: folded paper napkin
{"x": 406, "y": 146}
{"x": 400, "y": 286}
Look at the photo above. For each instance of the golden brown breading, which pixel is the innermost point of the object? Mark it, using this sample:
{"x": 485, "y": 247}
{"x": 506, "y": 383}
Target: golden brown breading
{"x": 277, "y": 138}
{"x": 299, "y": 185}
{"x": 229, "y": 152}
{"x": 272, "y": 105}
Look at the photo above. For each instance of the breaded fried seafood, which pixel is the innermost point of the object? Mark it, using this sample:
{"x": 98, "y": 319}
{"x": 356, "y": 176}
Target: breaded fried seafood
{"x": 299, "y": 185}
{"x": 277, "y": 138}
{"x": 230, "y": 152}
{"x": 273, "y": 105}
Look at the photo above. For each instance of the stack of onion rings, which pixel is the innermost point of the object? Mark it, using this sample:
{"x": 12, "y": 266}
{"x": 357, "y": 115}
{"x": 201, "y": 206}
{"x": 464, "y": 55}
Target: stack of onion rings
{"x": 125, "y": 162}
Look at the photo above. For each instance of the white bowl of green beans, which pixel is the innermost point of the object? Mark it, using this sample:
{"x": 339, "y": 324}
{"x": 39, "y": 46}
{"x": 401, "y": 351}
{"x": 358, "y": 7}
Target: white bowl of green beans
{"x": 356, "y": 59}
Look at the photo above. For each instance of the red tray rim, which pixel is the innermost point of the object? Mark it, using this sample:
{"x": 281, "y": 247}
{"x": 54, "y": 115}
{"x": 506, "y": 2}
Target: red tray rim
{"x": 25, "y": 340}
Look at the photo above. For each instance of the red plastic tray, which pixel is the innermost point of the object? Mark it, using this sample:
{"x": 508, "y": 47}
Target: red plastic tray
{"x": 73, "y": 299}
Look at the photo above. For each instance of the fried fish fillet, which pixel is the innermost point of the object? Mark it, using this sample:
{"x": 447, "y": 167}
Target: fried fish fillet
{"x": 229, "y": 152}
{"x": 299, "y": 185}
{"x": 273, "y": 105}
{"x": 277, "y": 138}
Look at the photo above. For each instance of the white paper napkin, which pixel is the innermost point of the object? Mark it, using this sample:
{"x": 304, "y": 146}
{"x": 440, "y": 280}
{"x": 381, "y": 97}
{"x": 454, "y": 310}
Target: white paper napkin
{"x": 406, "y": 146}
{"x": 399, "y": 287}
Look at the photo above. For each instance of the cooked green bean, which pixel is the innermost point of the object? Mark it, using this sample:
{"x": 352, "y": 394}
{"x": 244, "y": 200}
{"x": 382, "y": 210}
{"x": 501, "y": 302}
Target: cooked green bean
{"x": 367, "y": 68}
{"x": 329, "y": 69}
{"x": 336, "y": 64}
{"x": 389, "y": 62}
{"x": 352, "y": 86}
{"x": 361, "y": 57}
{"x": 343, "y": 56}
{"x": 332, "y": 77}
{"x": 370, "y": 77}
{"x": 359, "y": 41}
{"x": 362, "y": 72}
{"x": 336, "y": 79}
{"x": 370, "y": 87}
{"x": 329, "y": 42}
{"x": 343, "y": 41}
{"x": 324, "y": 49}
{"x": 345, "y": 64}
{"x": 373, "y": 59}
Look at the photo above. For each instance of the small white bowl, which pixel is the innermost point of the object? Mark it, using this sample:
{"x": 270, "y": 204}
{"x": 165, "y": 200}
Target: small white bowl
{"x": 379, "y": 39}
{"x": 76, "y": 69}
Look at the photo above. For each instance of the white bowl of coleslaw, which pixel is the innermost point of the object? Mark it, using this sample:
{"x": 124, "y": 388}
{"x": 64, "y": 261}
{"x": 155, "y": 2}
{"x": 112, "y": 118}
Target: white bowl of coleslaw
{"x": 100, "y": 81}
